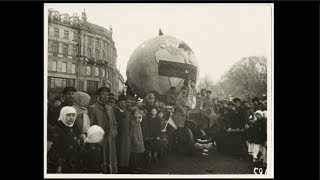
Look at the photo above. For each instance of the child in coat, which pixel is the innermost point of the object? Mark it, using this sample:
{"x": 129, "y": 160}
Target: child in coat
{"x": 136, "y": 141}
{"x": 92, "y": 155}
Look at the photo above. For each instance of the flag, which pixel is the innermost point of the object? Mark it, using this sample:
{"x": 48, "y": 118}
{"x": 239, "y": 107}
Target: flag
{"x": 170, "y": 121}
{"x": 160, "y": 32}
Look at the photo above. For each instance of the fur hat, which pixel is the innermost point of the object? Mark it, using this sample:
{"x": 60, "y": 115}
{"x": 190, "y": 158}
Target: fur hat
{"x": 95, "y": 134}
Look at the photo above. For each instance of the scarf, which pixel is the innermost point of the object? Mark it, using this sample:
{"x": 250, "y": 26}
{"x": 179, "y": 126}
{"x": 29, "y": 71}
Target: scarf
{"x": 64, "y": 111}
{"x": 81, "y": 101}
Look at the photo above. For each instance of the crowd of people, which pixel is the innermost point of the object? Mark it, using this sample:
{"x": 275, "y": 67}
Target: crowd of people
{"x": 127, "y": 135}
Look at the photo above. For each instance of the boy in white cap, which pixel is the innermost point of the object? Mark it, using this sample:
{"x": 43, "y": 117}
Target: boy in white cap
{"x": 92, "y": 157}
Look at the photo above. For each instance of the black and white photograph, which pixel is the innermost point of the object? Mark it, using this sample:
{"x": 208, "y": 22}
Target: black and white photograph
{"x": 161, "y": 90}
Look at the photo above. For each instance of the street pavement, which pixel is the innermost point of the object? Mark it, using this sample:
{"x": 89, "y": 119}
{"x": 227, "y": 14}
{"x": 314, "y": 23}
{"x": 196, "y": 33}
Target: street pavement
{"x": 214, "y": 163}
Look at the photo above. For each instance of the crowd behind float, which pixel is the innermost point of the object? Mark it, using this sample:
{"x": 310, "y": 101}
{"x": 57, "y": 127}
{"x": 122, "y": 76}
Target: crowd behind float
{"x": 128, "y": 135}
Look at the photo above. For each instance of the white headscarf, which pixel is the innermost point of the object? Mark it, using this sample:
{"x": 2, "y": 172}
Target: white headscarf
{"x": 64, "y": 111}
{"x": 95, "y": 134}
{"x": 265, "y": 114}
{"x": 259, "y": 112}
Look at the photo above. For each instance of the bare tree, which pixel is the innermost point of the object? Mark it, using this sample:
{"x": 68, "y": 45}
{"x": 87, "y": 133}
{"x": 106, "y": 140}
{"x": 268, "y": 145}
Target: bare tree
{"x": 246, "y": 79}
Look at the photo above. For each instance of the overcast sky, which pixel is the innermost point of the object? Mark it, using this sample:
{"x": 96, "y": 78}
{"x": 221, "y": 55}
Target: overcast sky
{"x": 218, "y": 34}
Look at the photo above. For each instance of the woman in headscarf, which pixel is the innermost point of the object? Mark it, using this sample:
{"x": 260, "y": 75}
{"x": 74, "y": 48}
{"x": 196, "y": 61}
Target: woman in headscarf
{"x": 81, "y": 102}
{"x": 67, "y": 146}
{"x": 257, "y": 136}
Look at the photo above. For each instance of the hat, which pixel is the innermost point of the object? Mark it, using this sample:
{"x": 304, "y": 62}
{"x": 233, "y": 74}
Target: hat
{"x": 122, "y": 98}
{"x": 103, "y": 89}
{"x": 265, "y": 113}
{"x": 259, "y": 112}
{"x": 69, "y": 89}
{"x": 235, "y": 100}
{"x": 95, "y": 134}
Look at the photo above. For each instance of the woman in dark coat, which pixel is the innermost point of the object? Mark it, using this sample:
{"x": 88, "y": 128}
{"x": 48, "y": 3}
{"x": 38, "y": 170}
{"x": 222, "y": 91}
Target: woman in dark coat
{"x": 67, "y": 145}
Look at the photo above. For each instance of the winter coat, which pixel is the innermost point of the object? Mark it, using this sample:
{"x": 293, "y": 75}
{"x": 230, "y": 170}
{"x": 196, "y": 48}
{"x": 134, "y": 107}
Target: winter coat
{"x": 102, "y": 115}
{"x": 66, "y": 148}
{"x": 123, "y": 137}
{"x": 92, "y": 158}
{"x": 136, "y": 139}
{"x": 257, "y": 132}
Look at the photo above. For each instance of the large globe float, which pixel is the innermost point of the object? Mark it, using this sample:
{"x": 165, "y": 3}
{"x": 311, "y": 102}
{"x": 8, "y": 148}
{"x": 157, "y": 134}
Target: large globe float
{"x": 160, "y": 63}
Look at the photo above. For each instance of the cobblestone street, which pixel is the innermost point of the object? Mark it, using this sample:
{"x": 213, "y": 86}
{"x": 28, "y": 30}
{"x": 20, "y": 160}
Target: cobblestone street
{"x": 214, "y": 163}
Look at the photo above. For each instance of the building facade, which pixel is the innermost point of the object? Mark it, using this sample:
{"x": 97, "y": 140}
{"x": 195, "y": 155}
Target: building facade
{"x": 80, "y": 54}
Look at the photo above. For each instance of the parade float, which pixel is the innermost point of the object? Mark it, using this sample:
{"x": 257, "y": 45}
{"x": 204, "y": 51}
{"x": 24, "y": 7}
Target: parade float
{"x": 163, "y": 62}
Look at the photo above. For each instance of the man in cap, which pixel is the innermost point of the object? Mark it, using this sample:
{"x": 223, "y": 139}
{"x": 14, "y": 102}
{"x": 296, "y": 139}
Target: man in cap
{"x": 123, "y": 138}
{"x": 101, "y": 114}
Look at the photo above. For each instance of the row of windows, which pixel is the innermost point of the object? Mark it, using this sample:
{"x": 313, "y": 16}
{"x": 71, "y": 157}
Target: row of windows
{"x": 54, "y": 47}
{"x": 65, "y": 34}
{"x": 63, "y": 67}
{"x": 105, "y": 73}
{"x": 75, "y": 38}
{"x": 60, "y": 82}
{"x": 89, "y": 72}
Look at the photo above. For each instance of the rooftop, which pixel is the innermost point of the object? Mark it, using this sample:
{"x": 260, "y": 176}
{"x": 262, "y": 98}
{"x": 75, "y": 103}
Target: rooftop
{"x": 77, "y": 22}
